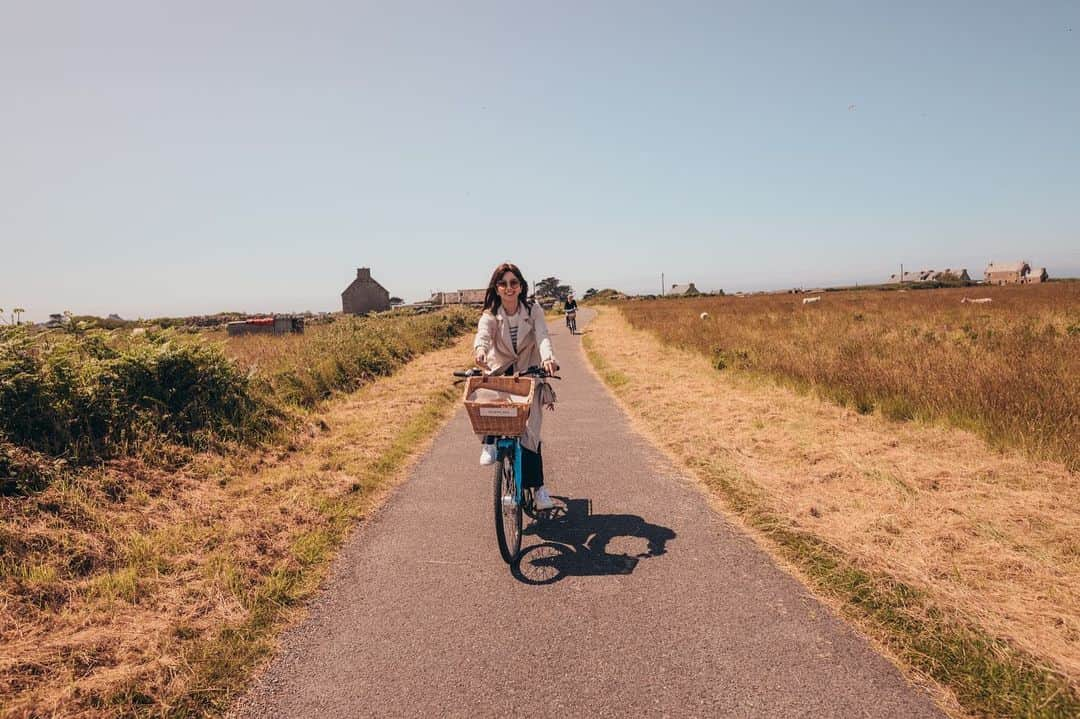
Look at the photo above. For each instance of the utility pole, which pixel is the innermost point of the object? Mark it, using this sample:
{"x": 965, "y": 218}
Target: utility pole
{"x": 663, "y": 287}
{"x": 901, "y": 273}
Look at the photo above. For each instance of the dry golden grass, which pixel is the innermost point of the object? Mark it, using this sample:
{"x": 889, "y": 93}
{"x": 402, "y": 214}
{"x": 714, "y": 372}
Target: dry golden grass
{"x": 1009, "y": 370}
{"x": 138, "y": 591}
{"x": 989, "y": 538}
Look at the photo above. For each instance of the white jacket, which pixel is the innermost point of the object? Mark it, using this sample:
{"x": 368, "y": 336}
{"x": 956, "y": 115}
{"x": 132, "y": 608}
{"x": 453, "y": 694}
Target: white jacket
{"x": 533, "y": 342}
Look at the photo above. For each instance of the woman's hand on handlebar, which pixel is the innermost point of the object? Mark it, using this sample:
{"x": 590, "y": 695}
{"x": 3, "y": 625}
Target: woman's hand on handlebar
{"x": 551, "y": 367}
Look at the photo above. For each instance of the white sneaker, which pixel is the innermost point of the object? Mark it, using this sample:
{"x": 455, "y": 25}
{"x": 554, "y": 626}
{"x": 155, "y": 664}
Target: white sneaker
{"x": 542, "y": 500}
{"x": 488, "y": 454}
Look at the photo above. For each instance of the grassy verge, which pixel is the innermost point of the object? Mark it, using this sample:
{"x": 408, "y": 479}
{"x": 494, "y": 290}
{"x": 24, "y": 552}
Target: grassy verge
{"x": 129, "y": 590}
{"x": 222, "y": 664}
{"x": 987, "y": 675}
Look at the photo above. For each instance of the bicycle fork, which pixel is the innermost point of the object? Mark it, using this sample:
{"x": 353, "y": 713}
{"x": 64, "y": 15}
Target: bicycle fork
{"x": 514, "y": 445}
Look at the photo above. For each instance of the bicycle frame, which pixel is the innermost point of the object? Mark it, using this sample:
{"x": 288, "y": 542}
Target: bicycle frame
{"x": 512, "y": 444}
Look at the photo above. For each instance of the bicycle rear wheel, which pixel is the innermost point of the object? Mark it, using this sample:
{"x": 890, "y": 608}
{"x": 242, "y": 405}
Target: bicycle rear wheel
{"x": 507, "y": 512}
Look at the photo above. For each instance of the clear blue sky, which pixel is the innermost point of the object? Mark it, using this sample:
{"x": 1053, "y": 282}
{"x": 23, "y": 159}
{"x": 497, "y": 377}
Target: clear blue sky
{"x": 184, "y": 157}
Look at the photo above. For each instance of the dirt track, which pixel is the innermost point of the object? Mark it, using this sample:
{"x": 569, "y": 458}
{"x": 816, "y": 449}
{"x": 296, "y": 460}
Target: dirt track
{"x": 640, "y": 601}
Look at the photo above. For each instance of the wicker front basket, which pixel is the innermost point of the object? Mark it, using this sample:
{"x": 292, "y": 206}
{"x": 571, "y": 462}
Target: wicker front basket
{"x": 503, "y": 419}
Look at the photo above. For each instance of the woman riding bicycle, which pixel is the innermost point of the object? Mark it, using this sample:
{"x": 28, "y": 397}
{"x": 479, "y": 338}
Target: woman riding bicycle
{"x": 512, "y": 336}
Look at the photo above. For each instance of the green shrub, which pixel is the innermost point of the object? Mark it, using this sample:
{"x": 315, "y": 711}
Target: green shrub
{"x": 93, "y": 395}
{"x": 355, "y": 350}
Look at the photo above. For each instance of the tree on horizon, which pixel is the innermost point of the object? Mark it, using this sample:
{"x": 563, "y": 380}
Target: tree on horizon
{"x": 550, "y": 287}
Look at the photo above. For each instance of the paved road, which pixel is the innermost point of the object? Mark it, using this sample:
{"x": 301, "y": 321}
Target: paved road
{"x": 641, "y": 601}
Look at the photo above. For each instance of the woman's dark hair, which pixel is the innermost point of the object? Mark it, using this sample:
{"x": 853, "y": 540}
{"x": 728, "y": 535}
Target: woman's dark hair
{"x": 492, "y": 300}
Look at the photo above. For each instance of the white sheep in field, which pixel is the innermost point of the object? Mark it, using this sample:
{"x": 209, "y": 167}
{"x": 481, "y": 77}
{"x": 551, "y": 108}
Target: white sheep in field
{"x": 704, "y": 315}
{"x": 980, "y": 301}
{"x": 810, "y": 300}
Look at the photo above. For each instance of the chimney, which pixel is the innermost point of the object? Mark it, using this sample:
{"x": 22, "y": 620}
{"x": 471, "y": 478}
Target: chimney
{"x": 363, "y": 273}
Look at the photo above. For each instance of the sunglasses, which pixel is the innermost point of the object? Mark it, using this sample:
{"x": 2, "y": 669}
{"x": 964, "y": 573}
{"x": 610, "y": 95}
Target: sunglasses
{"x": 512, "y": 284}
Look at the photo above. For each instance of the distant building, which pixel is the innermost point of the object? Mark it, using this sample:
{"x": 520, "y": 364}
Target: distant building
{"x": 918, "y": 276}
{"x": 460, "y": 297}
{"x": 932, "y": 275}
{"x": 364, "y": 295}
{"x": 687, "y": 289}
{"x": 959, "y": 273}
{"x": 1015, "y": 273}
{"x": 278, "y": 325}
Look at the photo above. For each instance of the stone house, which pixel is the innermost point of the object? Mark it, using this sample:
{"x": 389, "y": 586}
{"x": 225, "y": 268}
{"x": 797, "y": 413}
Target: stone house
{"x": 687, "y": 289}
{"x": 274, "y": 325}
{"x": 364, "y": 295}
{"x": 461, "y": 297}
{"x": 931, "y": 275}
{"x": 959, "y": 273}
{"x": 916, "y": 276}
{"x": 1015, "y": 273}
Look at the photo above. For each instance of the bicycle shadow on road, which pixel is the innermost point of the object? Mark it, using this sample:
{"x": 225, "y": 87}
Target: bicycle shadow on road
{"x": 577, "y": 543}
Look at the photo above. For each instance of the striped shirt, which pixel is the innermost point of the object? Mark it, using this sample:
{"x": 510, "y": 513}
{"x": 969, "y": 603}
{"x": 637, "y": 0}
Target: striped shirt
{"x": 514, "y": 321}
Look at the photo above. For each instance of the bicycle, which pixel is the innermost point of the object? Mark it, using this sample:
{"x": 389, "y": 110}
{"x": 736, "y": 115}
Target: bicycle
{"x": 571, "y": 321}
{"x": 506, "y": 421}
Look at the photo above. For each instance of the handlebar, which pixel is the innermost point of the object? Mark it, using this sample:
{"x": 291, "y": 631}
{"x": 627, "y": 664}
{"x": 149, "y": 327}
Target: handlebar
{"x": 537, "y": 372}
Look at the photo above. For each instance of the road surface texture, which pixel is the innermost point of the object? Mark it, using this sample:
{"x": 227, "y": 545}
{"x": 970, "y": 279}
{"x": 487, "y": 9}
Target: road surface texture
{"x": 639, "y": 601}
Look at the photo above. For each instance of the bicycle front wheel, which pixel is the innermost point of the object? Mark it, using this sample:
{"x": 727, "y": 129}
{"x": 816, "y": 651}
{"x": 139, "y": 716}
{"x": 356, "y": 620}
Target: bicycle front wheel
{"x": 507, "y": 511}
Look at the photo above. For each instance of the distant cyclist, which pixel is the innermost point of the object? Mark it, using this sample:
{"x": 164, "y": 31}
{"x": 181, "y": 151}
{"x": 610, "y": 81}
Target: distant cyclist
{"x": 570, "y": 308}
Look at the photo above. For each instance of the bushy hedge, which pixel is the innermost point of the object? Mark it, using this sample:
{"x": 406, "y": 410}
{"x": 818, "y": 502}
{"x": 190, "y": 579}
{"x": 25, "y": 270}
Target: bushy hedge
{"x": 93, "y": 396}
{"x": 86, "y": 396}
{"x": 352, "y": 351}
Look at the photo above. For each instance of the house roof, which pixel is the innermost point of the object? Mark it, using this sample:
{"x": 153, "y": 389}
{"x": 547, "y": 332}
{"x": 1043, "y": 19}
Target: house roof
{"x": 923, "y": 275}
{"x": 913, "y": 276}
{"x": 955, "y": 271}
{"x": 365, "y": 281}
{"x": 1006, "y": 267}
{"x": 682, "y": 289}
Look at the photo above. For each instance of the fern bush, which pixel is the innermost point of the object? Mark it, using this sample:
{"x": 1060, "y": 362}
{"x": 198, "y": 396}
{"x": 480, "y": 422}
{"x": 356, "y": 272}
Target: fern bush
{"x": 86, "y": 396}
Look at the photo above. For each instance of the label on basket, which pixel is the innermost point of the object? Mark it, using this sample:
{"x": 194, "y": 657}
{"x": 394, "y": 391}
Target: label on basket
{"x": 498, "y": 412}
